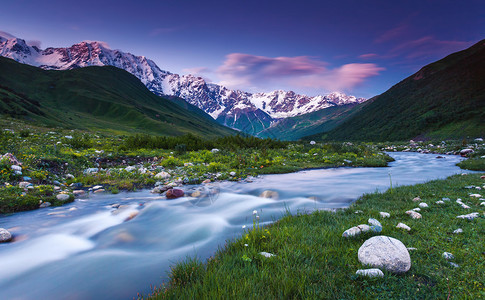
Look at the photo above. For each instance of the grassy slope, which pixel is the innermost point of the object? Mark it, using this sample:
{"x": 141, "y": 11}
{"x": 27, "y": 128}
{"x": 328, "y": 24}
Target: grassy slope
{"x": 445, "y": 99}
{"x": 313, "y": 260}
{"x": 315, "y": 122}
{"x": 95, "y": 98}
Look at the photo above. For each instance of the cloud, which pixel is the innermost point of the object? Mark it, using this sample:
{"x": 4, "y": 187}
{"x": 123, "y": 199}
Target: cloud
{"x": 428, "y": 47}
{"x": 35, "y": 43}
{"x": 245, "y": 71}
{"x": 197, "y": 70}
{"x": 392, "y": 34}
{"x": 368, "y": 55}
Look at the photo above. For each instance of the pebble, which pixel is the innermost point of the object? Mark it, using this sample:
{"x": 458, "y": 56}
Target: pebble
{"x": 232, "y": 173}
{"x": 370, "y": 273}
{"x": 162, "y": 175}
{"x": 413, "y": 214}
{"x": 78, "y": 192}
{"x": 99, "y": 191}
{"x": 448, "y": 255}
{"x": 206, "y": 181}
{"x": 412, "y": 249}
{"x": 417, "y": 209}
{"x": 385, "y": 214}
{"x": 269, "y": 194}
{"x": 385, "y": 252}
{"x": 5, "y": 235}
{"x": 469, "y": 216}
{"x": 416, "y": 199}
{"x": 358, "y": 212}
{"x": 445, "y": 199}
{"x": 62, "y": 197}
{"x": 44, "y": 205}
{"x": 459, "y": 230}
{"x": 440, "y": 202}
{"x": 423, "y": 205}
{"x": 266, "y": 254}
{"x": 475, "y": 195}
{"x": 403, "y": 226}
{"x": 97, "y": 187}
{"x": 453, "y": 264}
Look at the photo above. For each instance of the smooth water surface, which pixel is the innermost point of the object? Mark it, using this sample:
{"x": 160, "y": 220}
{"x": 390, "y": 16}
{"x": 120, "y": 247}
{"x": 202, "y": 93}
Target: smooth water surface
{"x": 86, "y": 249}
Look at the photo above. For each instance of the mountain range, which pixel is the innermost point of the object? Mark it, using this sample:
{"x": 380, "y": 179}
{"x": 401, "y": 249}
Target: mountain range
{"x": 251, "y": 113}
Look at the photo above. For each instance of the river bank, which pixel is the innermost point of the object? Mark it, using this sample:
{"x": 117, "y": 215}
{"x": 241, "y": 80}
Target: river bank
{"x": 310, "y": 258}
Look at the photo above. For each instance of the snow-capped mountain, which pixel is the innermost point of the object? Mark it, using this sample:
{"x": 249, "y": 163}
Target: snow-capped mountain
{"x": 247, "y": 112}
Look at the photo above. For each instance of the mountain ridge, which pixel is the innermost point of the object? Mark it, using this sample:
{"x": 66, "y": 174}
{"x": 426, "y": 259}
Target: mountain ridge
{"x": 255, "y": 111}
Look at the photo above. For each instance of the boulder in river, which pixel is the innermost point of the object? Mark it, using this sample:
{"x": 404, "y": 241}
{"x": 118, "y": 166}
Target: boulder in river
{"x": 269, "y": 194}
{"x": 5, "y": 235}
{"x": 174, "y": 193}
{"x": 385, "y": 252}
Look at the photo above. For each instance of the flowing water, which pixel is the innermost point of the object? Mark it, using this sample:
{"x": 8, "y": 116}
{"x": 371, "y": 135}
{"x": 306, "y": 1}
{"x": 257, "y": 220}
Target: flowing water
{"x": 86, "y": 249}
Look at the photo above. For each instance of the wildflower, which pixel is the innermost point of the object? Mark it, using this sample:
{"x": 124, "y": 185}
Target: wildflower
{"x": 245, "y": 245}
{"x": 244, "y": 226}
{"x": 255, "y": 212}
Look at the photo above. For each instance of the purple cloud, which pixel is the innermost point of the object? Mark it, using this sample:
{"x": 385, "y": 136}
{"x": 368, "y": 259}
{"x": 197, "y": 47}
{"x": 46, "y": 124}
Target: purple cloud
{"x": 428, "y": 47}
{"x": 368, "y": 56}
{"x": 245, "y": 71}
{"x": 392, "y": 34}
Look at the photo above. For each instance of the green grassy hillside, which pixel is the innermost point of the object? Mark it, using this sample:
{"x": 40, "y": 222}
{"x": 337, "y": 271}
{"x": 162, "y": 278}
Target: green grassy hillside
{"x": 315, "y": 122}
{"x": 95, "y": 98}
{"x": 445, "y": 99}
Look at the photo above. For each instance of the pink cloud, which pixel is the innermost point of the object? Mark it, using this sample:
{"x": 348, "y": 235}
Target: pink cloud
{"x": 428, "y": 46}
{"x": 245, "y": 71}
{"x": 368, "y": 55}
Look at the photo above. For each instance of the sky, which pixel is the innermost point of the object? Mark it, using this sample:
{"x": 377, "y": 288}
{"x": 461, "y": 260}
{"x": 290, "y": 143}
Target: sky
{"x": 357, "y": 47}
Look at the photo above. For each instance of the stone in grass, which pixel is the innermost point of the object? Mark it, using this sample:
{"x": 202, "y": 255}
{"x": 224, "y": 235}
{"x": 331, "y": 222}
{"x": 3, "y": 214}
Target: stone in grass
{"x": 403, "y": 226}
{"x": 469, "y": 216}
{"x": 423, "y": 205}
{"x": 384, "y": 214}
{"x": 62, "y": 197}
{"x": 375, "y": 225}
{"x": 476, "y": 195}
{"x": 483, "y": 203}
{"x": 440, "y": 202}
{"x": 448, "y": 255}
{"x": 453, "y": 264}
{"x": 459, "y": 230}
{"x": 370, "y": 273}
{"x": 385, "y": 252}
{"x": 352, "y": 232}
{"x": 445, "y": 199}
{"x": 364, "y": 227}
{"x": 413, "y": 214}
{"x": 44, "y": 205}
{"x": 266, "y": 254}
{"x": 416, "y": 199}
{"x": 5, "y": 235}
{"x": 417, "y": 209}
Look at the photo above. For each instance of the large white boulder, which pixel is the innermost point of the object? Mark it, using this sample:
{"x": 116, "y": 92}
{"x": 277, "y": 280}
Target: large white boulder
{"x": 385, "y": 252}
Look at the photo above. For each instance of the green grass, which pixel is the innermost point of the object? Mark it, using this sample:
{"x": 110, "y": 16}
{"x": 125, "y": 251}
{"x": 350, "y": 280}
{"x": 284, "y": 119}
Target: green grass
{"x": 104, "y": 99}
{"x": 314, "y": 261}
{"x": 476, "y": 164}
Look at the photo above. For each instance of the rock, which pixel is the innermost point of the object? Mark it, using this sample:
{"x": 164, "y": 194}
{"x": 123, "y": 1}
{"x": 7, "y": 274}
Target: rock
{"x": 97, "y": 187}
{"x": 411, "y": 249}
{"x": 445, "y": 199}
{"x": 62, "y": 197}
{"x": 448, "y": 255}
{"x": 131, "y": 215}
{"x": 385, "y": 252}
{"x": 196, "y": 194}
{"x": 174, "y": 193}
{"x": 266, "y": 254}
{"x": 439, "y": 156}
{"x": 206, "y": 181}
{"x": 440, "y": 202}
{"x": 459, "y": 230}
{"x": 232, "y": 173}
{"x": 453, "y": 264}
{"x": 417, "y": 199}
{"x": 162, "y": 175}
{"x": 312, "y": 142}
{"x": 24, "y": 184}
{"x": 44, "y": 205}
{"x": 423, "y": 205}
{"x": 70, "y": 176}
{"x": 384, "y": 214}
{"x": 16, "y": 168}
{"x": 351, "y": 232}
{"x": 370, "y": 273}
{"x": 364, "y": 227}
{"x": 413, "y": 214}
{"x": 469, "y": 216}
{"x": 403, "y": 226}
{"x": 215, "y": 150}
{"x": 78, "y": 193}
{"x": 269, "y": 194}
{"x": 99, "y": 191}
{"x": 91, "y": 171}
{"x": 482, "y": 177}
{"x": 416, "y": 209}
{"x": 466, "y": 151}
{"x": 476, "y": 195}
{"x": 5, "y": 235}
{"x": 373, "y": 221}
{"x": 358, "y": 212}
{"x": 482, "y": 204}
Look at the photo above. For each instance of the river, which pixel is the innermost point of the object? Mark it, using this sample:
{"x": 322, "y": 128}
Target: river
{"x": 86, "y": 249}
